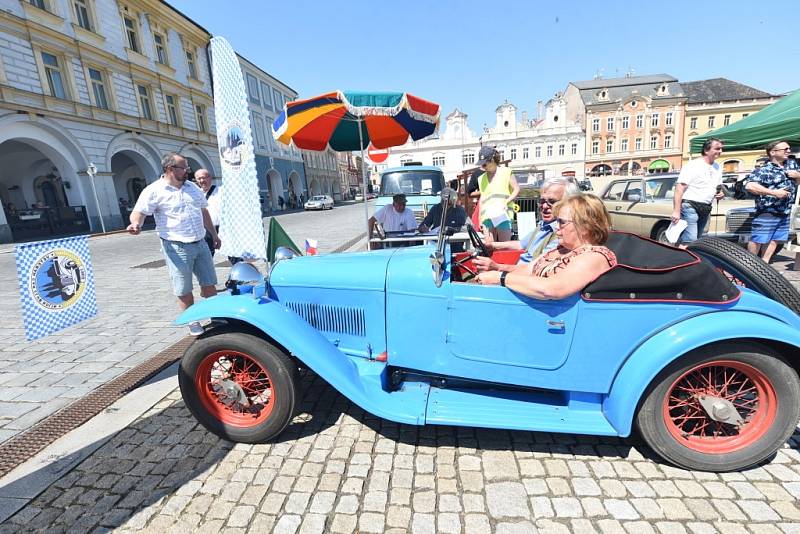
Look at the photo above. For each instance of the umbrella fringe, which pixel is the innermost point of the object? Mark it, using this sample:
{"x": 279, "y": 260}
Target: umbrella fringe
{"x": 365, "y": 111}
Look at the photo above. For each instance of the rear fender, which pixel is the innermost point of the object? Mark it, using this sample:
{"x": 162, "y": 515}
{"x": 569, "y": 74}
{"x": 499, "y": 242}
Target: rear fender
{"x": 302, "y": 340}
{"x": 642, "y": 366}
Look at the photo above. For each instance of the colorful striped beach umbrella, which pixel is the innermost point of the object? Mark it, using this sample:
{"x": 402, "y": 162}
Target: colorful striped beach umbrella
{"x": 349, "y": 120}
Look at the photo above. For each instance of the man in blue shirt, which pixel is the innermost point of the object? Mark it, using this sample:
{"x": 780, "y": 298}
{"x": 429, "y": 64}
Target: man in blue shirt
{"x": 541, "y": 240}
{"x": 775, "y": 184}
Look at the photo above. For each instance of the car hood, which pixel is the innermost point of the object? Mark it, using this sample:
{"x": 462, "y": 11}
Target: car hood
{"x": 357, "y": 270}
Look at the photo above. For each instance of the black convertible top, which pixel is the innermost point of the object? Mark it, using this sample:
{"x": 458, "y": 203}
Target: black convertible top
{"x": 650, "y": 271}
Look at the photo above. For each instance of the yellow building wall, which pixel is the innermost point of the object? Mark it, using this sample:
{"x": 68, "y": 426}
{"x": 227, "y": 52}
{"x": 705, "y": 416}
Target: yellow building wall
{"x": 737, "y": 111}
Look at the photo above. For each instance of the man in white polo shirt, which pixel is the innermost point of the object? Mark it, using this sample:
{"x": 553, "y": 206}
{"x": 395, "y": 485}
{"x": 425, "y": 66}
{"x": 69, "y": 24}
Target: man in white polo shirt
{"x": 394, "y": 217}
{"x": 698, "y": 185}
{"x": 182, "y": 220}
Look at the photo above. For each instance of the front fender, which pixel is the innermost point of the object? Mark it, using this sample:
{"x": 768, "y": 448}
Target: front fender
{"x": 649, "y": 358}
{"x": 315, "y": 351}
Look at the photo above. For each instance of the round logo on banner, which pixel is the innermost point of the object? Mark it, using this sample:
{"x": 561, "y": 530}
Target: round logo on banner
{"x": 230, "y": 150}
{"x": 57, "y": 279}
{"x": 377, "y": 155}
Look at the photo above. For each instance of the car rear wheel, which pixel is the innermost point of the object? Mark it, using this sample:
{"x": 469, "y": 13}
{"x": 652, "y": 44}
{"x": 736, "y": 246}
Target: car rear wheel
{"x": 239, "y": 386}
{"x": 660, "y": 233}
{"x": 747, "y": 270}
{"x": 721, "y": 408}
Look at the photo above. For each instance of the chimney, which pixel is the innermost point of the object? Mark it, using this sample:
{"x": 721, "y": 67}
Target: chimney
{"x": 539, "y": 109}
{"x": 525, "y": 118}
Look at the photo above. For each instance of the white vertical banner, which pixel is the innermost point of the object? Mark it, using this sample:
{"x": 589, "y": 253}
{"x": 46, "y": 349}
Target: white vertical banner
{"x": 241, "y": 228}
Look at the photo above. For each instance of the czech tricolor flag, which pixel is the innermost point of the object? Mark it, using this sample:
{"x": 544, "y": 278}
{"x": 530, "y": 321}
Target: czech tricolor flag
{"x": 311, "y": 247}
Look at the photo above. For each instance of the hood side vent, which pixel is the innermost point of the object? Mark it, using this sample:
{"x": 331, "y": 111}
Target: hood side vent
{"x": 327, "y": 318}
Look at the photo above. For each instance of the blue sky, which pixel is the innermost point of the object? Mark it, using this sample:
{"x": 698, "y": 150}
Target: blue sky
{"x": 474, "y": 55}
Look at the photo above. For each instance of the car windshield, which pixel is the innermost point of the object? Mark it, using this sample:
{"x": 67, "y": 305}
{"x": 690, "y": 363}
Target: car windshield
{"x": 318, "y": 197}
{"x": 412, "y": 182}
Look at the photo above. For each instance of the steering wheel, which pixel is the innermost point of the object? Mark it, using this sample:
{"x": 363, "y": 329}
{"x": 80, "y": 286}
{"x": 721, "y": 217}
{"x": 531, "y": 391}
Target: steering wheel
{"x": 477, "y": 242}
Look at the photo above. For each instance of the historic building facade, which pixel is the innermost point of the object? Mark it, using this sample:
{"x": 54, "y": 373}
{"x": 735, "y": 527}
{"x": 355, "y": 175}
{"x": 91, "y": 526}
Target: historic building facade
{"x": 718, "y": 102}
{"x": 633, "y": 124}
{"x": 280, "y": 170}
{"x": 322, "y": 171}
{"x": 95, "y": 85}
{"x": 551, "y": 145}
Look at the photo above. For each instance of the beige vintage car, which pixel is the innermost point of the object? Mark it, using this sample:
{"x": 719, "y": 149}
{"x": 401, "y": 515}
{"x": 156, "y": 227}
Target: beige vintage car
{"x": 649, "y": 214}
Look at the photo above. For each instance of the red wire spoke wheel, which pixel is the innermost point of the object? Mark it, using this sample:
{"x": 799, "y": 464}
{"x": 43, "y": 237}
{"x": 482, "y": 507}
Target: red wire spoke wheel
{"x": 239, "y": 386}
{"x": 721, "y": 407}
{"x": 745, "y": 387}
{"x": 235, "y": 388}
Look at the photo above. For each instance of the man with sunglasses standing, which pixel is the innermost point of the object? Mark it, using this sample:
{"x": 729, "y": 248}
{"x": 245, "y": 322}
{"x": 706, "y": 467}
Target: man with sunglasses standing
{"x": 541, "y": 240}
{"x": 182, "y": 220}
{"x": 775, "y": 184}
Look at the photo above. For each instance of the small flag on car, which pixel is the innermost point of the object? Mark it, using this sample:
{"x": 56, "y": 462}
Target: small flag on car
{"x": 311, "y": 247}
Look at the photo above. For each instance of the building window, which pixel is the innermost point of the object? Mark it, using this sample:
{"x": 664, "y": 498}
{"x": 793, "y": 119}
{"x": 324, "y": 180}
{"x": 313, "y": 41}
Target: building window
{"x": 200, "y": 115}
{"x": 55, "y": 78}
{"x": 667, "y": 141}
{"x": 38, "y": 3}
{"x": 266, "y": 96}
{"x": 626, "y": 122}
{"x": 595, "y": 147}
{"x": 595, "y": 125}
{"x": 82, "y": 14}
{"x": 468, "y": 158}
{"x": 654, "y": 120}
{"x": 537, "y": 152}
{"x": 640, "y": 121}
{"x": 144, "y": 102}
{"x": 745, "y": 115}
{"x": 252, "y": 88}
{"x": 638, "y": 143}
{"x": 610, "y": 124}
{"x": 258, "y": 131}
{"x": 276, "y": 99}
{"x": 549, "y": 151}
{"x": 668, "y": 119}
{"x": 172, "y": 109}
{"x": 131, "y": 33}
{"x": 711, "y": 121}
{"x": 561, "y": 149}
{"x": 726, "y": 120}
{"x": 98, "y": 88}
{"x": 623, "y": 145}
{"x": 525, "y": 153}
{"x": 438, "y": 160}
{"x": 609, "y": 146}
{"x": 654, "y": 142}
{"x": 502, "y": 154}
{"x": 513, "y": 153}
{"x": 161, "y": 49}
{"x": 574, "y": 149}
{"x": 693, "y": 123}
{"x": 191, "y": 65}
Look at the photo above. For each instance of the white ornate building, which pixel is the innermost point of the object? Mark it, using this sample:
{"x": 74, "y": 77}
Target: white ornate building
{"x": 552, "y": 145}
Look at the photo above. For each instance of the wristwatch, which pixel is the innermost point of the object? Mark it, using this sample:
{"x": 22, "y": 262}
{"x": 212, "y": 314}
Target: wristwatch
{"x": 503, "y": 278}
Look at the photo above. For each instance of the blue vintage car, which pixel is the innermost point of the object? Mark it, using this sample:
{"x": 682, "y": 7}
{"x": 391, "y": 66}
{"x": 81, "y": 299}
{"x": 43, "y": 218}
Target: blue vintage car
{"x": 704, "y": 370}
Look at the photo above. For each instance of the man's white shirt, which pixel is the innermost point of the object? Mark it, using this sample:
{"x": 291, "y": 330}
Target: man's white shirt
{"x": 177, "y": 211}
{"x": 396, "y": 222}
{"x": 702, "y": 180}
{"x": 214, "y": 204}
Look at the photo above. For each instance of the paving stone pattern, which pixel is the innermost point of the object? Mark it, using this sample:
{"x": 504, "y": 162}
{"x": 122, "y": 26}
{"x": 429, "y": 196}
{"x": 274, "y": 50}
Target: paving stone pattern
{"x": 338, "y": 469}
{"x": 134, "y": 323}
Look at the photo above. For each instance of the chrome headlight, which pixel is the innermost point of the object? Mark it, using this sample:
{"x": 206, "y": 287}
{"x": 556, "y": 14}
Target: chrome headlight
{"x": 284, "y": 253}
{"x": 243, "y": 277}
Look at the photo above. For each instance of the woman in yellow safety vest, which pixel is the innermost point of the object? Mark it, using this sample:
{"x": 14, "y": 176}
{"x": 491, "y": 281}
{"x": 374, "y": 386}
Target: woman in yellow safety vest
{"x": 498, "y": 189}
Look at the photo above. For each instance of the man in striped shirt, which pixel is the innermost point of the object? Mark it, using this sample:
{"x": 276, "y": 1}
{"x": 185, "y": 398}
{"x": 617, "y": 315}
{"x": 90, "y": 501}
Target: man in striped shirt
{"x": 182, "y": 220}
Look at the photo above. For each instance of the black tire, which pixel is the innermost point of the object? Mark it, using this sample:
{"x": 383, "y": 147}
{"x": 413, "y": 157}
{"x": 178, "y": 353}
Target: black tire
{"x": 660, "y": 233}
{"x": 235, "y": 423}
{"x": 748, "y": 269}
{"x": 758, "y": 442}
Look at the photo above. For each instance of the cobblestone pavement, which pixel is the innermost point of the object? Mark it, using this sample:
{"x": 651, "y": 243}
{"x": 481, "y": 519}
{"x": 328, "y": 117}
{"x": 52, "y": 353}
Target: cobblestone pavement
{"x": 136, "y": 310}
{"x": 338, "y": 469}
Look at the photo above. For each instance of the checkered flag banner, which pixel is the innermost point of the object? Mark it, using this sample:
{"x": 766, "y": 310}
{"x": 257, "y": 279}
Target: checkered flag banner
{"x": 241, "y": 227}
{"x": 56, "y": 284}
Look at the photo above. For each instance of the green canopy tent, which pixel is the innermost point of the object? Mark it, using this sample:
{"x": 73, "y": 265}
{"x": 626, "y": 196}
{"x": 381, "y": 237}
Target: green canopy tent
{"x": 776, "y": 122}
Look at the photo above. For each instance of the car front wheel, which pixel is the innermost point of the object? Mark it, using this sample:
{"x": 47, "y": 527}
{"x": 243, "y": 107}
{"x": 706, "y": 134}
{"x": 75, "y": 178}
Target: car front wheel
{"x": 721, "y": 408}
{"x": 239, "y": 386}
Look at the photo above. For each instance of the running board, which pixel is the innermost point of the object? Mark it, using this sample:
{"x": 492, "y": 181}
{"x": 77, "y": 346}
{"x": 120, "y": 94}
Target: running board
{"x": 519, "y": 410}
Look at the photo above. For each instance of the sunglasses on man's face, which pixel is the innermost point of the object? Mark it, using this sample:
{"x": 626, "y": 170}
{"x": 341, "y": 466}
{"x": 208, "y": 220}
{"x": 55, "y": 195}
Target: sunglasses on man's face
{"x": 548, "y": 201}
